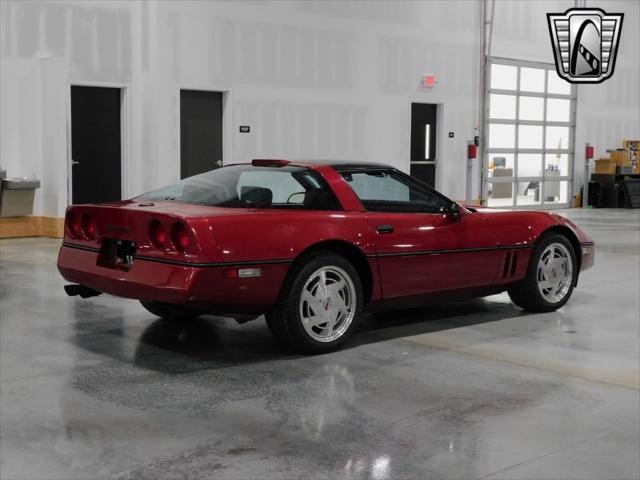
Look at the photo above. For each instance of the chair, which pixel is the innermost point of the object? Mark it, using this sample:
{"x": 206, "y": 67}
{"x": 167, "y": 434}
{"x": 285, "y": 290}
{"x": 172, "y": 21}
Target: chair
{"x": 256, "y": 197}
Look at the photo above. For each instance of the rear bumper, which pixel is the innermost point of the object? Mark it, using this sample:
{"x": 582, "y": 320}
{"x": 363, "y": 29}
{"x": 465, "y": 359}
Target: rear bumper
{"x": 588, "y": 253}
{"x": 201, "y": 287}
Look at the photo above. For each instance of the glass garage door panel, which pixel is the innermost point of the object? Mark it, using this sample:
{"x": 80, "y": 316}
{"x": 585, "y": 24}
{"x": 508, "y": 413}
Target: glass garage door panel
{"x": 504, "y": 77}
{"x": 558, "y": 110}
{"x": 500, "y": 194}
{"x": 556, "y": 85}
{"x": 502, "y": 106}
{"x": 530, "y": 165}
{"x": 556, "y": 192}
{"x": 528, "y": 193}
{"x": 529, "y": 125}
{"x": 503, "y": 160}
{"x": 555, "y": 162}
{"x": 531, "y": 108}
{"x": 557, "y": 138}
{"x": 502, "y": 136}
{"x": 532, "y": 79}
{"x": 529, "y": 136}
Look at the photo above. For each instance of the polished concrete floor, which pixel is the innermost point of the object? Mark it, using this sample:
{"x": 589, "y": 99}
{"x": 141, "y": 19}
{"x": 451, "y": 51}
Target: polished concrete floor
{"x": 99, "y": 388}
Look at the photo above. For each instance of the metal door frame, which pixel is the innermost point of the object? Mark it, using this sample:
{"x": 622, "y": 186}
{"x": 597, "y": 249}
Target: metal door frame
{"x": 570, "y": 150}
{"x": 125, "y": 141}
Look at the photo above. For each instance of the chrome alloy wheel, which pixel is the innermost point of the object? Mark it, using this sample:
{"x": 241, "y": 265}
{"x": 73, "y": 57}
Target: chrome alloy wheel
{"x": 327, "y": 304}
{"x": 555, "y": 273}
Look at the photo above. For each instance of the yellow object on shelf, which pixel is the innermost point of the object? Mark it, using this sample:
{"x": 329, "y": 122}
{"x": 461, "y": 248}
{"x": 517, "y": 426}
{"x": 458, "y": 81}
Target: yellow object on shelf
{"x": 605, "y": 166}
{"x": 620, "y": 157}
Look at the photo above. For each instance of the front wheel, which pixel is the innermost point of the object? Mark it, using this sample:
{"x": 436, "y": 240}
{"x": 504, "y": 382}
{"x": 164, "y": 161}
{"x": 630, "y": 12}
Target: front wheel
{"x": 168, "y": 311}
{"x": 319, "y": 306}
{"x": 551, "y": 276}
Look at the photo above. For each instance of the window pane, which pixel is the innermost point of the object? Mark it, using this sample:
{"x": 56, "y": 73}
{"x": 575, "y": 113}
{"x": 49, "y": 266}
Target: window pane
{"x": 502, "y": 106}
{"x": 387, "y": 191}
{"x": 502, "y": 136}
{"x": 556, "y": 192}
{"x": 529, "y": 165}
{"x": 557, "y": 137}
{"x": 377, "y": 187}
{"x": 556, "y": 165}
{"x": 558, "y": 110}
{"x": 504, "y": 77}
{"x": 531, "y": 108}
{"x": 242, "y": 186}
{"x": 532, "y": 79}
{"x": 557, "y": 85}
{"x": 501, "y": 164}
{"x": 529, "y": 136}
{"x": 528, "y": 193}
{"x": 500, "y": 194}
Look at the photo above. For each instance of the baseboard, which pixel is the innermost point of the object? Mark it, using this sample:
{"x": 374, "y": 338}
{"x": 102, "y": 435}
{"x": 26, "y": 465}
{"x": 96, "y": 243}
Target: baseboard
{"x": 15, "y": 227}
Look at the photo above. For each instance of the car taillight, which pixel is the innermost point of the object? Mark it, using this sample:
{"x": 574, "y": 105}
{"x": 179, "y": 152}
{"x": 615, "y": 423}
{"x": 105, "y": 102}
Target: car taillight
{"x": 157, "y": 234}
{"x": 73, "y": 224}
{"x": 88, "y": 226}
{"x": 180, "y": 236}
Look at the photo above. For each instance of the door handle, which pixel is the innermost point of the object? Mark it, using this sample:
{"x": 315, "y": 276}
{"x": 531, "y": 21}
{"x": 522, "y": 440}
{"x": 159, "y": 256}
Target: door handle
{"x": 384, "y": 228}
{"x": 73, "y": 162}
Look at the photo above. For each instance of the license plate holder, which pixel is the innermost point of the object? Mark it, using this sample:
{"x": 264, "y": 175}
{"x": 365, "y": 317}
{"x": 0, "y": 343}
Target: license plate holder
{"x": 117, "y": 254}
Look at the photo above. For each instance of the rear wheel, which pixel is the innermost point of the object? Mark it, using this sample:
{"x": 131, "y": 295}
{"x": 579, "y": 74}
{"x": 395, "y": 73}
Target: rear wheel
{"x": 551, "y": 276}
{"x": 319, "y": 306}
{"x": 168, "y": 311}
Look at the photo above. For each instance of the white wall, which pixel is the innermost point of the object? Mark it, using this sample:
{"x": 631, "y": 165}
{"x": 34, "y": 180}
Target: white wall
{"x": 314, "y": 79}
{"x": 319, "y": 79}
{"x": 21, "y": 141}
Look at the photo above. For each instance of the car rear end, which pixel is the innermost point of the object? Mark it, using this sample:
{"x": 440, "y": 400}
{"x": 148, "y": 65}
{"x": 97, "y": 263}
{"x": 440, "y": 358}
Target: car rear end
{"x": 159, "y": 252}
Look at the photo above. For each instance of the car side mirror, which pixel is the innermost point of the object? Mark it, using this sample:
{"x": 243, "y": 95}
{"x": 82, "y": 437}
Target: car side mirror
{"x": 454, "y": 211}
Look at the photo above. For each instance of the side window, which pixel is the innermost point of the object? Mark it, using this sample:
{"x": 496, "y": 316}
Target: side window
{"x": 281, "y": 184}
{"x": 387, "y": 191}
{"x": 299, "y": 189}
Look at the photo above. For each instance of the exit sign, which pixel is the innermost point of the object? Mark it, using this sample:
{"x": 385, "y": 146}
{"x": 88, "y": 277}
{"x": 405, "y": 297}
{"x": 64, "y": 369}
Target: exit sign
{"x": 428, "y": 81}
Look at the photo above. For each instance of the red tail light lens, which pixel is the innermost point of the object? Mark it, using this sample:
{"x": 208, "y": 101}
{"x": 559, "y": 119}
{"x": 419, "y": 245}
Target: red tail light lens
{"x": 73, "y": 224}
{"x": 88, "y": 226}
{"x": 157, "y": 234}
{"x": 180, "y": 237}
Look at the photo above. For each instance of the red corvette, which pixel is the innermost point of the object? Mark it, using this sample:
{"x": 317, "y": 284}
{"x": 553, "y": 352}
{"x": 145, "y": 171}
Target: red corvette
{"x": 311, "y": 245}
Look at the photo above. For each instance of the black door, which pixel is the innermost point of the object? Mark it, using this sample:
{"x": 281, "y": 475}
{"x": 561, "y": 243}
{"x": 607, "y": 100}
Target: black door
{"x": 200, "y": 132}
{"x": 423, "y": 142}
{"x": 95, "y": 144}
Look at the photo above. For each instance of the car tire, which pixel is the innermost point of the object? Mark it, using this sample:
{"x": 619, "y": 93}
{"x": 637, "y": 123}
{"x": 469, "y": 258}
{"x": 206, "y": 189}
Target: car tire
{"x": 551, "y": 276}
{"x": 319, "y": 305}
{"x": 168, "y": 311}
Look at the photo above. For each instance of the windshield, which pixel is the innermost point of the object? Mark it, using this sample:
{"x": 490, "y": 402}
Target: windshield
{"x": 247, "y": 186}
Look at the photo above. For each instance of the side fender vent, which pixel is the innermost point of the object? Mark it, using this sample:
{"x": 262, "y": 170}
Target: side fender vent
{"x": 507, "y": 264}
{"x": 510, "y": 264}
{"x": 514, "y": 263}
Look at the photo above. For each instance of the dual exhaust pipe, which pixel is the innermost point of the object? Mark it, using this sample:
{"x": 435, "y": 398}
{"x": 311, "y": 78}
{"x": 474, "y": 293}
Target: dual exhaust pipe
{"x": 75, "y": 290}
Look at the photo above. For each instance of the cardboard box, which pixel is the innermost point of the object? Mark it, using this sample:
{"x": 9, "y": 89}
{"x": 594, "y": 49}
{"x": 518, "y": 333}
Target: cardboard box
{"x": 620, "y": 157}
{"x": 605, "y": 166}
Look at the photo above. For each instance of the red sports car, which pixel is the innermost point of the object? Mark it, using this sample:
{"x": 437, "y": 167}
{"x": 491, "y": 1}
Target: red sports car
{"x": 311, "y": 245}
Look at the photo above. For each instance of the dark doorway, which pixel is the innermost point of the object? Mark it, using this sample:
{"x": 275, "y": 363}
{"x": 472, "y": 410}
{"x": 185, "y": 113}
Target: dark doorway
{"x": 95, "y": 144}
{"x": 424, "y": 119}
{"x": 200, "y": 132}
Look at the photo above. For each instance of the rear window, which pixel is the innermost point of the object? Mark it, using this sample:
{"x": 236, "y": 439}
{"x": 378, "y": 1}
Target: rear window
{"x": 246, "y": 186}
